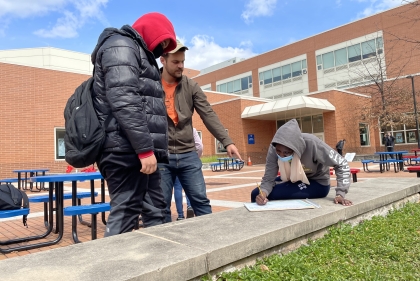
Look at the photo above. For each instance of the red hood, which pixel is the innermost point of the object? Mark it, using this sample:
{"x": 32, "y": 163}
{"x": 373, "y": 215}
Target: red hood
{"x": 154, "y": 28}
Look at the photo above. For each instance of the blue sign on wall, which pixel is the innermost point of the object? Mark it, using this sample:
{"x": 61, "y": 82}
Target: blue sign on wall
{"x": 251, "y": 139}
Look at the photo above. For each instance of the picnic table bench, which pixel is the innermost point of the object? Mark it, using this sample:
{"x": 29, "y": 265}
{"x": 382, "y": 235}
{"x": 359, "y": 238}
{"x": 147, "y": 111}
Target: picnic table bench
{"x": 383, "y": 164}
{"x": 9, "y": 180}
{"x": 226, "y": 164}
{"x": 414, "y": 169}
{"x": 216, "y": 167}
{"x": 409, "y": 159}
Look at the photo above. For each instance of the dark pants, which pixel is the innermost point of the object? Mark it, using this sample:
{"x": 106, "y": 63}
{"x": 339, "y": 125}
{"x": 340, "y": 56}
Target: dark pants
{"x": 340, "y": 151}
{"x": 297, "y": 190}
{"x": 187, "y": 167}
{"x": 390, "y": 149}
{"x": 132, "y": 193}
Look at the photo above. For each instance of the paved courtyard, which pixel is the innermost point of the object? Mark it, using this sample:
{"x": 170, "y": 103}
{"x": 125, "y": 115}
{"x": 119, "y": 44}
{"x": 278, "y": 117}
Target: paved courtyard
{"x": 225, "y": 189}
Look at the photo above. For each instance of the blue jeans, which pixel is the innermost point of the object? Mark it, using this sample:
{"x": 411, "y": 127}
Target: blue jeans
{"x": 178, "y": 198}
{"x": 187, "y": 167}
{"x": 297, "y": 190}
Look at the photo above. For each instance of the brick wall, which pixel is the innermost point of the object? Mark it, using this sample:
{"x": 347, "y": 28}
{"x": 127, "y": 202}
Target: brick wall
{"x": 32, "y": 104}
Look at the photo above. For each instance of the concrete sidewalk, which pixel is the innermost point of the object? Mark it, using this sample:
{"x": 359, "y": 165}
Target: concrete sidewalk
{"x": 227, "y": 190}
{"x": 188, "y": 249}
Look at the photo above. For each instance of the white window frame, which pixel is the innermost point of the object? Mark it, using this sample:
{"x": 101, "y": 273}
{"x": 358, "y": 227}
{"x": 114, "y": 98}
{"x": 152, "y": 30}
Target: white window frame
{"x": 367, "y": 134}
{"x": 56, "y": 156}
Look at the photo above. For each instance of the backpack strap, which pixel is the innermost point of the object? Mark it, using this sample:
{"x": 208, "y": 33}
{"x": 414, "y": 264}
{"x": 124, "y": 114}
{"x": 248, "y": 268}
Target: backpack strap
{"x": 25, "y": 204}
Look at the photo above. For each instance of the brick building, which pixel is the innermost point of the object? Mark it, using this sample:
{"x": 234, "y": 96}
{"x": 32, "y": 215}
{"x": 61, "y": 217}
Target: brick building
{"x": 322, "y": 81}
{"x": 326, "y": 82}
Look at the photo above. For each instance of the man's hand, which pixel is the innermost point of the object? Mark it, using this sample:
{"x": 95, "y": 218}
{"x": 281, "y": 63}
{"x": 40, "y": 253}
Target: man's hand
{"x": 342, "y": 201}
{"x": 232, "y": 150}
{"x": 148, "y": 165}
{"x": 261, "y": 199}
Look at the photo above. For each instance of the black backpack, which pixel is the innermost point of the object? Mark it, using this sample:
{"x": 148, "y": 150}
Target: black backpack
{"x": 12, "y": 198}
{"x": 84, "y": 136}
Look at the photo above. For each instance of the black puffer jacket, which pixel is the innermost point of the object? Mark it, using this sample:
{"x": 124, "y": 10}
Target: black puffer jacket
{"x": 128, "y": 88}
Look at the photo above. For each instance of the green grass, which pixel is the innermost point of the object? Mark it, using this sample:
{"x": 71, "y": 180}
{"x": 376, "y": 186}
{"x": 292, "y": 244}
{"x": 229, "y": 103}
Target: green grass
{"x": 384, "y": 248}
{"x": 210, "y": 159}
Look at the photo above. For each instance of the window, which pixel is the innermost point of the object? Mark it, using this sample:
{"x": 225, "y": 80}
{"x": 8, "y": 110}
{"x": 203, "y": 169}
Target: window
{"x": 317, "y": 124}
{"x": 200, "y": 134}
{"x": 282, "y": 72}
{"x": 230, "y": 87}
{"x": 60, "y": 151}
{"x": 296, "y": 69}
{"x": 369, "y": 49}
{"x": 220, "y": 149}
{"x": 318, "y": 60}
{"x": 268, "y": 78}
{"x": 412, "y": 137}
{"x": 354, "y": 53}
{"x": 379, "y": 44}
{"x": 286, "y": 71}
{"x": 328, "y": 60}
{"x": 308, "y": 124}
{"x": 244, "y": 83}
{"x": 341, "y": 57}
{"x": 403, "y": 134}
{"x": 237, "y": 86}
{"x": 364, "y": 134}
{"x": 280, "y": 123}
{"x": 276, "y": 74}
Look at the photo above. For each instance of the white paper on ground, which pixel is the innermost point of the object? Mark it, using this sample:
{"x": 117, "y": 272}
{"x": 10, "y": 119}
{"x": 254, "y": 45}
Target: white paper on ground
{"x": 276, "y": 205}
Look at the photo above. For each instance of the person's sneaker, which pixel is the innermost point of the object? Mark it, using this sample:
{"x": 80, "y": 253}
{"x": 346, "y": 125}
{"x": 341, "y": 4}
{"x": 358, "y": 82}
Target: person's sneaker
{"x": 180, "y": 218}
{"x": 190, "y": 212}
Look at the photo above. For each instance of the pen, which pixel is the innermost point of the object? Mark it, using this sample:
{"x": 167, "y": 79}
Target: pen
{"x": 259, "y": 188}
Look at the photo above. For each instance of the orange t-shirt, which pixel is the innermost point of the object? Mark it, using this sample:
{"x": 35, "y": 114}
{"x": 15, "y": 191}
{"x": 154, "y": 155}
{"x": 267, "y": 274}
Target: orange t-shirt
{"x": 170, "y": 100}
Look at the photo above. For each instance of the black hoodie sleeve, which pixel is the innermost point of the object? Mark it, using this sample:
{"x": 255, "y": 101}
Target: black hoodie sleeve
{"x": 122, "y": 68}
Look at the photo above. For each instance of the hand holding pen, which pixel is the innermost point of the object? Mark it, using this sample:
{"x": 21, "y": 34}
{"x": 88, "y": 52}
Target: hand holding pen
{"x": 261, "y": 198}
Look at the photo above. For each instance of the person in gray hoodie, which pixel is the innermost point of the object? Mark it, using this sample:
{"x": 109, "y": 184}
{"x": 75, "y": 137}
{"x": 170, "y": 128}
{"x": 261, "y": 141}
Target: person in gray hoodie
{"x": 303, "y": 161}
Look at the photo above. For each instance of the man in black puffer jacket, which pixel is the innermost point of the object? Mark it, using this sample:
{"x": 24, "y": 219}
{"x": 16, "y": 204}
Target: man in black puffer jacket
{"x": 128, "y": 99}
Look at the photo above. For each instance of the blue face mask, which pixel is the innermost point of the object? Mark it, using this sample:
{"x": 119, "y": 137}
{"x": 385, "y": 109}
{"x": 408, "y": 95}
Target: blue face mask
{"x": 285, "y": 159}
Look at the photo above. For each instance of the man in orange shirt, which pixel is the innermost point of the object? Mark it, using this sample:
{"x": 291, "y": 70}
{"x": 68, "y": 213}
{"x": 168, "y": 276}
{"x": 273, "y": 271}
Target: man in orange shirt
{"x": 183, "y": 96}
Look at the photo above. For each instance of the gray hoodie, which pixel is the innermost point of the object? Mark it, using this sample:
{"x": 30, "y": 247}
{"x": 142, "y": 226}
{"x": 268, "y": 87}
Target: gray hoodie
{"x": 315, "y": 155}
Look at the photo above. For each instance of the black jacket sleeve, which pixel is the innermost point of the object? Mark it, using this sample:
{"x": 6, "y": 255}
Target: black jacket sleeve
{"x": 122, "y": 72}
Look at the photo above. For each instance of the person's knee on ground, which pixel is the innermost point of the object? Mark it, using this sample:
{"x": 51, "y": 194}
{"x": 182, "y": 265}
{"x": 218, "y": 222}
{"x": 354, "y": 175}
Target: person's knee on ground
{"x": 254, "y": 194}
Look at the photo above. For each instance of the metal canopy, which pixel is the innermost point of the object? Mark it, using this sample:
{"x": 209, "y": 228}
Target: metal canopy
{"x": 287, "y": 108}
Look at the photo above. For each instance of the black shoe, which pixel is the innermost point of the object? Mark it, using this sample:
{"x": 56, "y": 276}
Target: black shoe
{"x": 190, "y": 212}
{"x": 180, "y": 218}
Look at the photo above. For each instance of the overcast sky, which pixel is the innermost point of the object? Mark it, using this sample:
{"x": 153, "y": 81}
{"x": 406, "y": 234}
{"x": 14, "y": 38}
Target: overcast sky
{"x": 214, "y": 30}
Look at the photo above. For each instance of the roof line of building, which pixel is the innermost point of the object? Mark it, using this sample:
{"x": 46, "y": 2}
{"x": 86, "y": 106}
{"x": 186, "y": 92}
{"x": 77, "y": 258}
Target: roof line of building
{"x": 339, "y": 90}
{"x": 237, "y": 97}
{"x": 365, "y": 84}
{"x": 230, "y": 94}
{"x": 63, "y": 69}
{"x": 310, "y": 37}
{"x": 48, "y": 47}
